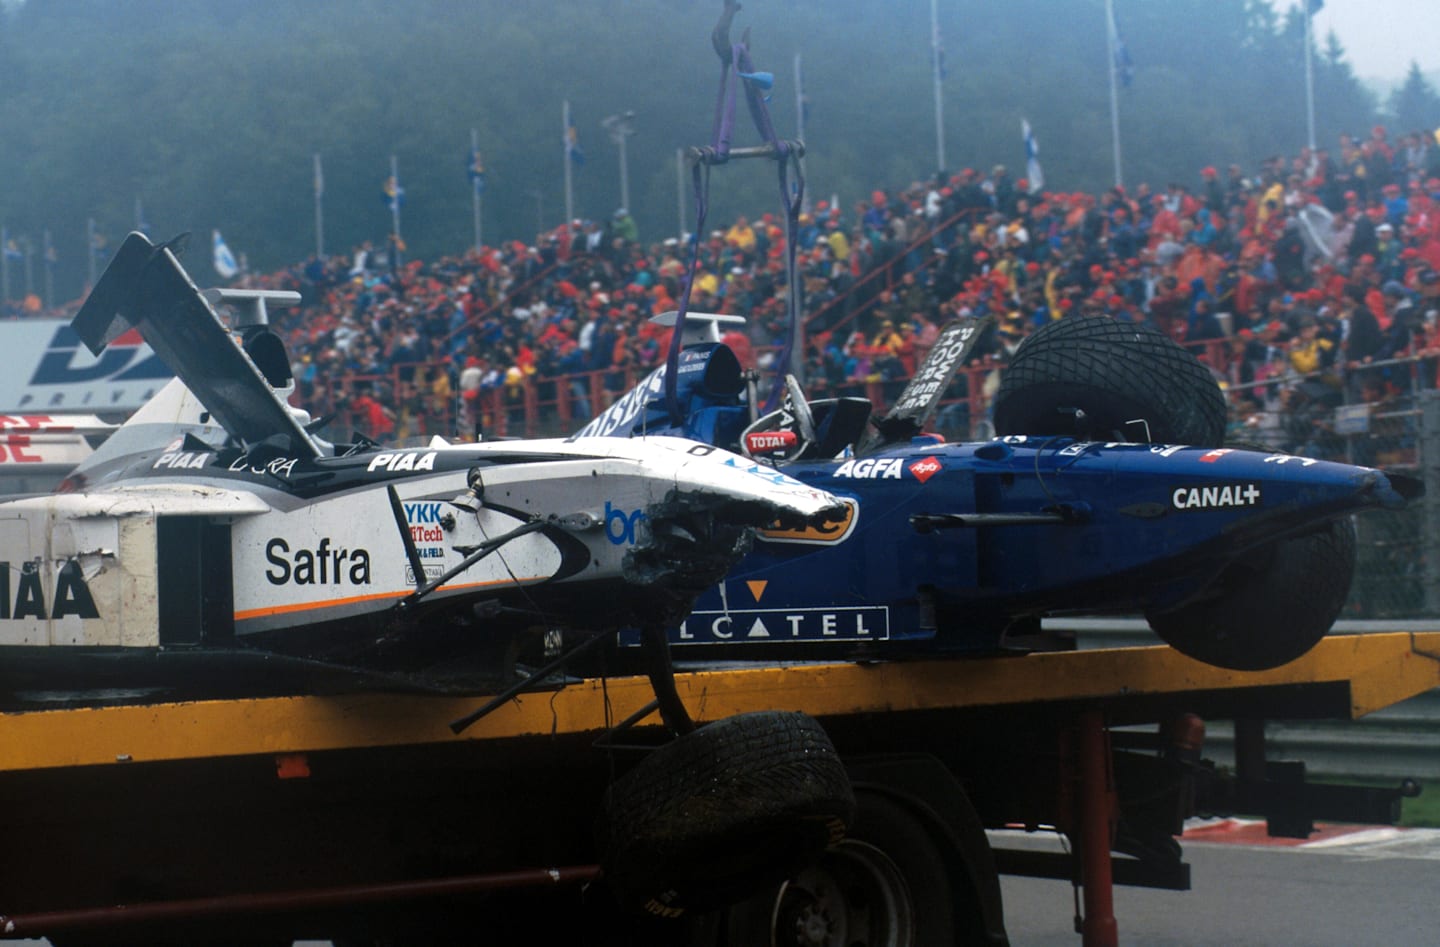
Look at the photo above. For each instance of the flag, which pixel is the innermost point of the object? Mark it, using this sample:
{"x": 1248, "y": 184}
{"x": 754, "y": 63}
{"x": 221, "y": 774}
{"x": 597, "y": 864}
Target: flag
{"x": 98, "y": 244}
{"x": 225, "y": 263}
{"x": 476, "y": 169}
{"x": 393, "y": 193}
{"x": 572, "y": 146}
{"x": 12, "y": 250}
{"x": 1124, "y": 66}
{"x": 1033, "y": 174}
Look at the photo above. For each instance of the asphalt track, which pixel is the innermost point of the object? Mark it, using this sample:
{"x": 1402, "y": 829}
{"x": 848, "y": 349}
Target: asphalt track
{"x": 1345, "y": 887}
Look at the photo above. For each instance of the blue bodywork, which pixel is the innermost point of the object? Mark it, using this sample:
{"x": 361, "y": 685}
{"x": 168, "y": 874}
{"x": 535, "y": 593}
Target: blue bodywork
{"x": 970, "y": 537}
{"x": 948, "y": 546}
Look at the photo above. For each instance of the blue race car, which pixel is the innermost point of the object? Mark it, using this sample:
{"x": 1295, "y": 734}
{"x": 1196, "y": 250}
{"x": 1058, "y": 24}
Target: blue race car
{"x": 1108, "y": 490}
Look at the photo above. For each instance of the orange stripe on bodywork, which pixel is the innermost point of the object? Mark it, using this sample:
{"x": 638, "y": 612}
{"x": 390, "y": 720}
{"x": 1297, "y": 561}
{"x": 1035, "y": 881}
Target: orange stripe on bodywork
{"x": 270, "y": 610}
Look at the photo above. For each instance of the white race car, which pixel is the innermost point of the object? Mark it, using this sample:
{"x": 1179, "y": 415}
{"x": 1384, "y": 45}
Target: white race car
{"x": 213, "y": 531}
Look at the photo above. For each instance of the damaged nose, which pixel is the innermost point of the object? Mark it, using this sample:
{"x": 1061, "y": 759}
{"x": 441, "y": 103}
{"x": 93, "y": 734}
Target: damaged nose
{"x": 1393, "y": 490}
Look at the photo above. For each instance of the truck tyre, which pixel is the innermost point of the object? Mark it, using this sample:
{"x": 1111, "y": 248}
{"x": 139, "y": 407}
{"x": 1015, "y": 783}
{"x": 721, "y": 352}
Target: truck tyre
{"x": 1270, "y": 606}
{"x": 723, "y": 811}
{"x": 886, "y": 883}
{"x": 1132, "y": 383}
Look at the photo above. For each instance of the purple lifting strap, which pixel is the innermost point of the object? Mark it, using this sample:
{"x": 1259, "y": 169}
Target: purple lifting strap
{"x": 735, "y": 61}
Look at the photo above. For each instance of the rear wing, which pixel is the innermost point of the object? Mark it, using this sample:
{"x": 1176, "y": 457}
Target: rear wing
{"x": 146, "y": 288}
{"x": 917, "y": 403}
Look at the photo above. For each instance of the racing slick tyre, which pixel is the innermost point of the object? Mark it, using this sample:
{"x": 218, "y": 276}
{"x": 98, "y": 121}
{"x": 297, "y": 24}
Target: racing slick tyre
{"x": 723, "y": 811}
{"x": 887, "y": 882}
{"x": 1099, "y": 379}
{"x": 1269, "y": 607}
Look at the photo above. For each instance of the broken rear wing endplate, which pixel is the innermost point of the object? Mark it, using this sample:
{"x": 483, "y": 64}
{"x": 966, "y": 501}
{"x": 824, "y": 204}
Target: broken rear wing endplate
{"x": 146, "y": 288}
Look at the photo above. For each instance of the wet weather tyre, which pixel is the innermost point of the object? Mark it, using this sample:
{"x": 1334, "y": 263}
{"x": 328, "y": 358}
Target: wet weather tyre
{"x": 887, "y": 882}
{"x": 1270, "y": 607}
{"x": 1132, "y": 383}
{"x": 723, "y": 811}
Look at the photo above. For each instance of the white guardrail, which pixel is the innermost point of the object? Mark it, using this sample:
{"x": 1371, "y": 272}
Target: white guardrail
{"x": 1391, "y": 744}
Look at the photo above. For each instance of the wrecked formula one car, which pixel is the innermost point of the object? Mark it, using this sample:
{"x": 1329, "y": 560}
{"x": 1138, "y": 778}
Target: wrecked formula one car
{"x": 1108, "y": 491}
{"x": 214, "y": 532}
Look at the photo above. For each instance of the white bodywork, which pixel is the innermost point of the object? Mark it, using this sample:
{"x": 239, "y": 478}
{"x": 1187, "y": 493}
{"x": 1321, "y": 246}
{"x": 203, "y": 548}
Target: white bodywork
{"x": 82, "y": 567}
{"x": 320, "y": 538}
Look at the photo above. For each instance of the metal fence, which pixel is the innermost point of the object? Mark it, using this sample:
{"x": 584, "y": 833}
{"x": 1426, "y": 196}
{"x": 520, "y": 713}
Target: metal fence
{"x": 1398, "y": 742}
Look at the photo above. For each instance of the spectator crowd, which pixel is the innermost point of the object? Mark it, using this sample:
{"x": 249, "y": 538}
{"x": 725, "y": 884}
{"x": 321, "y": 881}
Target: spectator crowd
{"x": 1306, "y": 282}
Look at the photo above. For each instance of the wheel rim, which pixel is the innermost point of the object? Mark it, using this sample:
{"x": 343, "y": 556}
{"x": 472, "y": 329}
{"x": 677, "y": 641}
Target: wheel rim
{"x": 854, "y": 896}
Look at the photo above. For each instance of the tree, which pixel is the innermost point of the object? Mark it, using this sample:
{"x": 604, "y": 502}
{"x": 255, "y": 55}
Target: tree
{"x": 1415, "y": 104}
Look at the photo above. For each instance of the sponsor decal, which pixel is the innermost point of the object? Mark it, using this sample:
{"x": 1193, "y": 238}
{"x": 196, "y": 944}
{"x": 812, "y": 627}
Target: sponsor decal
{"x": 1215, "y": 496}
{"x": 925, "y": 468}
{"x": 1080, "y": 447}
{"x": 622, "y": 527}
{"x": 28, "y": 599}
{"x": 429, "y": 520}
{"x": 111, "y": 379}
{"x": 37, "y": 423}
{"x": 872, "y": 468}
{"x": 1211, "y": 456}
{"x": 183, "y": 460}
{"x": 324, "y": 565}
{"x": 768, "y": 474}
{"x": 866, "y": 623}
{"x": 1287, "y": 458}
{"x": 43, "y": 439}
{"x": 762, "y": 442}
{"x": 396, "y": 461}
{"x": 15, "y": 449}
{"x": 276, "y": 467}
{"x": 827, "y": 534}
{"x": 934, "y": 374}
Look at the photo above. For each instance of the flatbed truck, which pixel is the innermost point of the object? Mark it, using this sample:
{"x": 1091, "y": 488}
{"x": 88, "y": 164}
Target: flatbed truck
{"x": 363, "y": 819}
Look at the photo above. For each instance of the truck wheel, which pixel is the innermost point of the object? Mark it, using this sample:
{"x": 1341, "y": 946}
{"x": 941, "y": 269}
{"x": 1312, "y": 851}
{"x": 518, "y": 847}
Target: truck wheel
{"x": 723, "y": 811}
{"x": 886, "y": 883}
{"x": 1131, "y": 382}
{"x": 1269, "y": 607}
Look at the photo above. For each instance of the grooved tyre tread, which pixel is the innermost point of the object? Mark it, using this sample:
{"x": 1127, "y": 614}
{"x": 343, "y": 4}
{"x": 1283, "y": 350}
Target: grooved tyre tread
{"x": 1116, "y": 372}
{"x": 1267, "y": 609}
{"x": 722, "y": 811}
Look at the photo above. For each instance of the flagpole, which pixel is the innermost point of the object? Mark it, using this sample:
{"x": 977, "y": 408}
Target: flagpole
{"x": 935, "y": 77}
{"x": 90, "y": 250}
{"x": 49, "y": 271}
{"x": 1114, "y": 91}
{"x": 319, "y": 208}
{"x": 1309, "y": 6}
{"x": 475, "y": 198}
{"x": 565, "y": 159}
{"x": 5, "y": 264}
{"x": 680, "y": 191}
{"x": 800, "y": 129}
{"x": 395, "y": 204}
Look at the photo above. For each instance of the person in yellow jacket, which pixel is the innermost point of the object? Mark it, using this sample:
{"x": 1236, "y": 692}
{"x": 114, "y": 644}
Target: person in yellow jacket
{"x": 741, "y": 235}
{"x": 1310, "y": 352}
{"x": 839, "y": 243}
